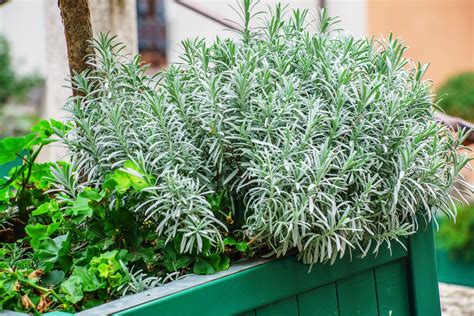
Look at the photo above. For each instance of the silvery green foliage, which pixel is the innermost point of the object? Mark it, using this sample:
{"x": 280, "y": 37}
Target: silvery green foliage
{"x": 329, "y": 141}
{"x": 7, "y": 216}
{"x": 139, "y": 281}
{"x": 121, "y": 118}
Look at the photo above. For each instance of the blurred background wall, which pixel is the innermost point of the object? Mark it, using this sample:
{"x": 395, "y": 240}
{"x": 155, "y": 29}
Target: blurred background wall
{"x": 439, "y": 32}
{"x": 183, "y": 22}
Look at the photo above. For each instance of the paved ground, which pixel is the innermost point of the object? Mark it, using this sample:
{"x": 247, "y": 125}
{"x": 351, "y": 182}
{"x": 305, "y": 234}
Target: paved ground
{"x": 456, "y": 300}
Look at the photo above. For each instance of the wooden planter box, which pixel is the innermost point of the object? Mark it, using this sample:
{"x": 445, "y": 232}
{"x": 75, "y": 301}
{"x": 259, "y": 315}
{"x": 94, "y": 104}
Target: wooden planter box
{"x": 451, "y": 270}
{"x": 401, "y": 283}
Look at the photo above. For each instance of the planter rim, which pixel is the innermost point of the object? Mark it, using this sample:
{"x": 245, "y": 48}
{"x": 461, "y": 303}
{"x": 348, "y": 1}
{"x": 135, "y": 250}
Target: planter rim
{"x": 158, "y": 292}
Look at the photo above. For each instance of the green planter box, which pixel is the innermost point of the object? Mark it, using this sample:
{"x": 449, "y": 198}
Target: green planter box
{"x": 402, "y": 282}
{"x": 454, "y": 271}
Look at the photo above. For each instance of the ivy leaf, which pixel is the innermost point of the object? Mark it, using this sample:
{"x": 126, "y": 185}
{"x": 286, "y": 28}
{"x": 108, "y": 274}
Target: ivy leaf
{"x": 201, "y": 266}
{"x": 211, "y": 264}
{"x": 229, "y": 241}
{"x": 45, "y": 128}
{"x": 10, "y": 147}
{"x": 39, "y": 232}
{"x": 91, "y": 194}
{"x": 52, "y": 250}
{"x": 214, "y": 260}
{"x": 72, "y": 287}
{"x": 224, "y": 263}
{"x": 173, "y": 260}
{"x": 80, "y": 209}
{"x": 122, "y": 181}
{"x": 180, "y": 262}
{"x": 136, "y": 175}
{"x": 46, "y": 208}
{"x": 90, "y": 281}
{"x": 128, "y": 176}
{"x": 241, "y": 246}
{"x": 36, "y": 231}
{"x": 52, "y": 278}
{"x": 170, "y": 252}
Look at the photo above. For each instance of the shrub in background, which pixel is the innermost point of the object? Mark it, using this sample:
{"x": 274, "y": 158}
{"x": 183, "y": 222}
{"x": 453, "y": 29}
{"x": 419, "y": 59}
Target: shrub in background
{"x": 458, "y": 238}
{"x": 458, "y": 94}
{"x": 314, "y": 140}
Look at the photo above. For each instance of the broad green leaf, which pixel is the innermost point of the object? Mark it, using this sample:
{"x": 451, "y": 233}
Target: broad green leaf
{"x": 91, "y": 194}
{"x": 80, "y": 209}
{"x": 45, "y": 129}
{"x": 46, "y": 208}
{"x": 201, "y": 266}
{"x": 10, "y": 147}
{"x": 213, "y": 260}
{"x": 41, "y": 175}
{"x": 90, "y": 281}
{"x": 180, "y": 262}
{"x": 241, "y": 246}
{"x": 51, "y": 250}
{"x": 224, "y": 263}
{"x": 36, "y": 231}
{"x": 122, "y": 180}
{"x": 229, "y": 241}
{"x": 72, "y": 287}
{"x": 39, "y": 232}
{"x": 52, "y": 278}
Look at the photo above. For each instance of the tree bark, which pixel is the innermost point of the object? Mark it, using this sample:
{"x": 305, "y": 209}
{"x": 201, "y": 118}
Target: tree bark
{"x": 78, "y": 31}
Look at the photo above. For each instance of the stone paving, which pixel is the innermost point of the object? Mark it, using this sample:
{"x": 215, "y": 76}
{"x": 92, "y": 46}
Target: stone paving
{"x": 456, "y": 300}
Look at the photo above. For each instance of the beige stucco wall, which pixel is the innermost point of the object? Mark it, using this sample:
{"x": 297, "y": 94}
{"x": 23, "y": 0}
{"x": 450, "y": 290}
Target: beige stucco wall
{"x": 352, "y": 15}
{"x": 439, "y": 32}
{"x": 26, "y": 34}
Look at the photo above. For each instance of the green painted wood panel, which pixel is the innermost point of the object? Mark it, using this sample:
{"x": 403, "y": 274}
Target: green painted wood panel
{"x": 423, "y": 272}
{"x": 286, "y": 307}
{"x": 319, "y": 302}
{"x": 362, "y": 287}
{"x": 392, "y": 289}
{"x": 261, "y": 285}
{"x": 357, "y": 295}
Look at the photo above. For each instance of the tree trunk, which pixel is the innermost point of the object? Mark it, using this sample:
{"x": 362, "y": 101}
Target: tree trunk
{"x": 78, "y": 31}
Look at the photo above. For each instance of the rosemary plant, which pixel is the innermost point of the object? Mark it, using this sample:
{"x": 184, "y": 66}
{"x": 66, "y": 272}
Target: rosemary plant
{"x": 320, "y": 141}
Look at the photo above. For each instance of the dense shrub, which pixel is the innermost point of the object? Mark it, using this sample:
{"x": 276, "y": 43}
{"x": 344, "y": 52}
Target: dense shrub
{"x": 458, "y": 94}
{"x": 458, "y": 238}
{"x": 316, "y": 140}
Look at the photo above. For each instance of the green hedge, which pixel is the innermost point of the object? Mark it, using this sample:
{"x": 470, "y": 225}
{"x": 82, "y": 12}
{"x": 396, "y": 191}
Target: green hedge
{"x": 458, "y": 238}
{"x": 458, "y": 94}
